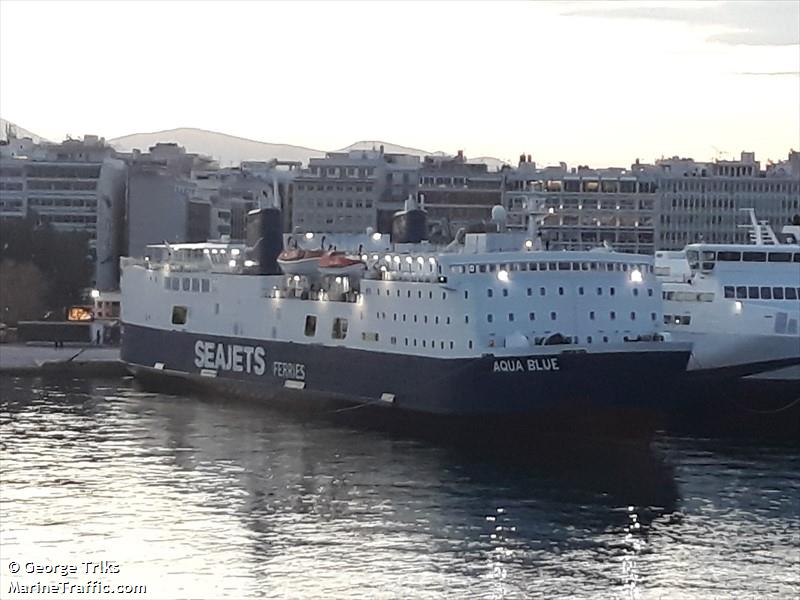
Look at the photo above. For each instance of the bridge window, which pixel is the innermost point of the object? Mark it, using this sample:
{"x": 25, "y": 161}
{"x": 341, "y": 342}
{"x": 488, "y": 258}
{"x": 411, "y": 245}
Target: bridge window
{"x": 729, "y": 291}
{"x": 766, "y": 293}
{"x": 727, "y": 256}
{"x": 777, "y": 293}
{"x": 187, "y": 283}
{"x": 741, "y": 291}
{"x": 791, "y": 293}
{"x": 754, "y": 256}
{"x": 205, "y": 285}
{"x": 752, "y": 292}
{"x": 780, "y": 257}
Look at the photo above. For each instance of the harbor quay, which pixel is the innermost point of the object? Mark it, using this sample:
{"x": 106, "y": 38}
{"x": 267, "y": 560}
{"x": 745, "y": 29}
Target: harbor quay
{"x": 18, "y": 359}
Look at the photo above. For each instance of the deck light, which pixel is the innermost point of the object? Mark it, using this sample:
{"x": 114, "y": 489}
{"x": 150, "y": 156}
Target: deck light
{"x": 636, "y": 276}
{"x": 376, "y": 236}
{"x": 309, "y": 235}
{"x": 502, "y": 275}
{"x": 232, "y": 263}
{"x": 528, "y": 244}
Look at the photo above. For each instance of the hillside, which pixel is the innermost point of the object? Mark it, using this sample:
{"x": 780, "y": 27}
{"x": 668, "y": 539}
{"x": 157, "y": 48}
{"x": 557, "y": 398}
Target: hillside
{"x": 227, "y": 149}
{"x": 21, "y": 133}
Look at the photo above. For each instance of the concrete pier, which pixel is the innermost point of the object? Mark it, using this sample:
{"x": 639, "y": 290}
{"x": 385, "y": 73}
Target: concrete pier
{"x": 18, "y": 359}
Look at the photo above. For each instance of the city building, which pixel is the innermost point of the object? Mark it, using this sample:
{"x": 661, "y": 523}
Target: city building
{"x": 457, "y": 193}
{"x": 589, "y": 207}
{"x": 352, "y": 191}
{"x": 70, "y": 186}
{"x": 700, "y": 201}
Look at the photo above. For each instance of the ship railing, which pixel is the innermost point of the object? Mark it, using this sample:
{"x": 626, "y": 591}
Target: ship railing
{"x": 351, "y": 296}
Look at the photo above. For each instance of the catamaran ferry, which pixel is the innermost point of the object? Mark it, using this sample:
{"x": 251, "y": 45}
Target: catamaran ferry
{"x": 739, "y": 307}
{"x": 491, "y": 327}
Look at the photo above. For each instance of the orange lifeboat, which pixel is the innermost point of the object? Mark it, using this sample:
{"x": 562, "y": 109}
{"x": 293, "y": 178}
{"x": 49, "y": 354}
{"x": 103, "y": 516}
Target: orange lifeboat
{"x": 338, "y": 263}
{"x": 296, "y": 261}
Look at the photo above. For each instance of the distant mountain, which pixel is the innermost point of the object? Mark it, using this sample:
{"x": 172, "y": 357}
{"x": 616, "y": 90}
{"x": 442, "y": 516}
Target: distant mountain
{"x": 389, "y": 148}
{"x": 227, "y": 149}
{"x": 21, "y": 133}
{"x": 493, "y": 163}
{"x": 231, "y": 150}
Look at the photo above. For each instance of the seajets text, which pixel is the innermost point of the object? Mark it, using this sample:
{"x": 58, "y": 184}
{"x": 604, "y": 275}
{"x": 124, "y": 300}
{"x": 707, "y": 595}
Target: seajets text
{"x": 230, "y": 357}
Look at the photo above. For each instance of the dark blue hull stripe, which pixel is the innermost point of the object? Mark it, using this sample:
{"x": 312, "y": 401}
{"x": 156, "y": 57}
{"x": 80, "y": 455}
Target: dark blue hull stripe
{"x": 577, "y": 383}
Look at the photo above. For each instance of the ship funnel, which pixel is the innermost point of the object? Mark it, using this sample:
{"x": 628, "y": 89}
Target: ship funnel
{"x": 264, "y": 240}
{"x": 410, "y": 226}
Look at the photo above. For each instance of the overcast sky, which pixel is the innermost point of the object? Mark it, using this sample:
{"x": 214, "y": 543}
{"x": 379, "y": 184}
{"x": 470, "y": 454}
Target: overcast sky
{"x": 588, "y": 83}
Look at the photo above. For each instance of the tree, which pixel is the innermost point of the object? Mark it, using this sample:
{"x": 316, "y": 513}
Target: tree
{"x": 62, "y": 258}
{"x": 22, "y": 291}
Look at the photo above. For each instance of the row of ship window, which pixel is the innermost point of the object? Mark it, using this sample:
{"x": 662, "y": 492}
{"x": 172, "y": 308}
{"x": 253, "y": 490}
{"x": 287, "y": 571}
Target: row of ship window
{"x": 581, "y": 291}
{"x": 762, "y": 292}
{"x": 505, "y": 292}
{"x": 551, "y": 266}
{"x": 490, "y": 317}
{"x": 187, "y": 284}
{"x": 735, "y": 256}
{"x": 340, "y": 327}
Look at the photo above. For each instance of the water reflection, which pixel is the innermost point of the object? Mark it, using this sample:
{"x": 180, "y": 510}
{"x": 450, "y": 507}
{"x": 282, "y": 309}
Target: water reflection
{"x": 208, "y": 497}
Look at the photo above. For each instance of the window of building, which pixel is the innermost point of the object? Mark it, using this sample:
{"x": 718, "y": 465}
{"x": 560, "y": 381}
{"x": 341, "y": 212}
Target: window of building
{"x": 553, "y": 316}
{"x": 187, "y": 284}
{"x": 612, "y": 315}
{"x": 490, "y": 317}
{"x": 195, "y": 284}
{"x": 490, "y": 292}
{"x": 339, "y": 331}
{"x": 179, "y": 314}
{"x": 542, "y": 291}
{"x": 505, "y": 292}
{"x": 311, "y": 325}
{"x": 591, "y": 315}
{"x": 205, "y": 285}
{"x": 510, "y": 316}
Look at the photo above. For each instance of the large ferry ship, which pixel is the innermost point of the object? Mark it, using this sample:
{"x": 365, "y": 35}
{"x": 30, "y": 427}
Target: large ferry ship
{"x": 739, "y": 306}
{"x": 491, "y": 327}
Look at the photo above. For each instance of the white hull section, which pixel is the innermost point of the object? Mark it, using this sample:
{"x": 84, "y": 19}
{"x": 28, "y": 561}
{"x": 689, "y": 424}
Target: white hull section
{"x": 724, "y": 350}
